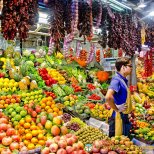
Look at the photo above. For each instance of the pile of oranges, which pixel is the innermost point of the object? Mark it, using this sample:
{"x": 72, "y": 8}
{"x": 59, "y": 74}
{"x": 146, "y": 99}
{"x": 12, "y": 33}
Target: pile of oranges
{"x": 31, "y": 134}
{"x": 48, "y": 104}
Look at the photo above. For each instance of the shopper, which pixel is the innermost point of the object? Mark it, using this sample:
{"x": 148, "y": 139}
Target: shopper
{"x": 118, "y": 97}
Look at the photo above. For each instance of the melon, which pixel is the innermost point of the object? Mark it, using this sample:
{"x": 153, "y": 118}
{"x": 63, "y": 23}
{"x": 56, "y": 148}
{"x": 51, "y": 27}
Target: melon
{"x": 55, "y": 130}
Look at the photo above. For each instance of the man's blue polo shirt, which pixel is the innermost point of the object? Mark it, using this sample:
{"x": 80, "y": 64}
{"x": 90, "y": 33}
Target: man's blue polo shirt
{"x": 118, "y": 86}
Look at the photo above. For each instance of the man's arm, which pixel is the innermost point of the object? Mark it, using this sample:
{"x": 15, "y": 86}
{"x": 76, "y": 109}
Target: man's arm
{"x": 110, "y": 100}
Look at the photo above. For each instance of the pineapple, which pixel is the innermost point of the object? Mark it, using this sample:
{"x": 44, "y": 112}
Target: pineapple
{"x": 33, "y": 85}
{"x": 23, "y": 85}
{"x": 27, "y": 78}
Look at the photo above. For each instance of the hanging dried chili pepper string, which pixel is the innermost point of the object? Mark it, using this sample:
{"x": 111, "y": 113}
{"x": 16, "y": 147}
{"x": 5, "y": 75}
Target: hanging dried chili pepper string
{"x": 98, "y": 22}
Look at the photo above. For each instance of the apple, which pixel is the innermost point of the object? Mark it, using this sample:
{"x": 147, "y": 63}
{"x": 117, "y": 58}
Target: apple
{"x": 46, "y": 150}
{"x": 2, "y": 135}
{"x": 68, "y": 135}
{"x": 6, "y": 141}
{"x": 75, "y": 138}
{"x": 61, "y": 151}
{"x": 49, "y": 142}
{"x": 6, "y": 151}
{"x": 3, "y": 127}
{"x": 69, "y": 149}
{"x": 62, "y": 144}
{"x": 14, "y": 146}
{"x": 10, "y": 132}
{"x": 95, "y": 149}
{"x": 97, "y": 144}
{"x": 16, "y": 138}
{"x": 3, "y": 120}
{"x": 81, "y": 152}
{"x": 70, "y": 141}
{"x": 75, "y": 146}
{"x": 53, "y": 147}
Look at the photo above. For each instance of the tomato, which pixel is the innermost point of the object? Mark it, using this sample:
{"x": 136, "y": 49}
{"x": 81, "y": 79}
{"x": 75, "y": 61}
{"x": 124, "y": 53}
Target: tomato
{"x": 3, "y": 121}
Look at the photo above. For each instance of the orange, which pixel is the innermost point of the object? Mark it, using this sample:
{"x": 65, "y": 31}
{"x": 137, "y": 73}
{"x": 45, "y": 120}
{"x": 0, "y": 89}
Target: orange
{"x": 49, "y": 103}
{"x": 1, "y": 106}
{"x": 26, "y": 142}
{"x": 43, "y": 105}
{"x": 34, "y": 140}
{"x": 28, "y": 119}
{"x": 55, "y": 109}
{"x": 47, "y": 107}
{"x": 2, "y": 102}
{"x": 31, "y": 146}
{"x": 49, "y": 110}
{"x": 40, "y": 136}
{"x": 26, "y": 125}
{"x": 52, "y": 106}
{"x": 3, "y": 97}
{"x": 41, "y": 142}
{"x": 33, "y": 127}
{"x": 55, "y": 114}
{"x": 13, "y": 100}
{"x": 34, "y": 132}
{"x": 27, "y": 130}
{"x": 49, "y": 98}
{"x": 21, "y": 130}
{"x": 5, "y": 105}
{"x": 28, "y": 136}
{"x": 21, "y": 122}
{"x": 60, "y": 113}
{"x": 43, "y": 100}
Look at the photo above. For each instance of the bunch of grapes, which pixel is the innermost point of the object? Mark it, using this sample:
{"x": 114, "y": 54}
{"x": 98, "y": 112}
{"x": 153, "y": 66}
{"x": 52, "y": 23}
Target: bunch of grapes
{"x": 73, "y": 126}
{"x": 66, "y": 117}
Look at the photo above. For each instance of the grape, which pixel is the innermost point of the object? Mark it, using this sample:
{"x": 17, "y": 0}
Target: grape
{"x": 66, "y": 117}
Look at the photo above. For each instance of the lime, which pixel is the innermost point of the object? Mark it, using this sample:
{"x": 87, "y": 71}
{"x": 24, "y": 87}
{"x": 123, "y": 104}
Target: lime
{"x": 15, "y": 123}
{"x": 23, "y": 113}
{"x": 12, "y": 119}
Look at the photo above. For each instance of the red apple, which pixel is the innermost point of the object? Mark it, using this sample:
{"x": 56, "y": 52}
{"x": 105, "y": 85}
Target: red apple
{"x": 3, "y": 127}
{"x": 53, "y": 147}
{"x": 68, "y": 135}
{"x": 10, "y": 132}
{"x": 95, "y": 149}
{"x": 7, "y": 101}
{"x": 61, "y": 151}
{"x": 43, "y": 120}
{"x": 69, "y": 149}
{"x": 75, "y": 138}
{"x": 16, "y": 138}
{"x": 62, "y": 144}
{"x": 34, "y": 114}
{"x": 75, "y": 146}
{"x": 14, "y": 146}
{"x": 81, "y": 152}
{"x": 46, "y": 150}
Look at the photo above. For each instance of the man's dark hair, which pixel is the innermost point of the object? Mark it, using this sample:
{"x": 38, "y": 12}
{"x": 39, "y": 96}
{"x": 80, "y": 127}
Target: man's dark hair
{"x": 121, "y": 61}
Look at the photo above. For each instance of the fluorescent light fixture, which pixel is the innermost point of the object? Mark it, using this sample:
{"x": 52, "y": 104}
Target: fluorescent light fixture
{"x": 151, "y": 14}
{"x": 43, "y": 15}
{"x": 116, "y": 7}
{"x": 120, "y": 4}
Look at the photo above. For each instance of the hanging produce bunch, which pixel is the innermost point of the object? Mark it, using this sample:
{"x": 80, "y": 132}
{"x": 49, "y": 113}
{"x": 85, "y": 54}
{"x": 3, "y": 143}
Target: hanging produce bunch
{"x": 17, "y": 16}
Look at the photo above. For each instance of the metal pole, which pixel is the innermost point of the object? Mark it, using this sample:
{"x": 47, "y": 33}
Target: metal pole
{"x": 21, "y": 46}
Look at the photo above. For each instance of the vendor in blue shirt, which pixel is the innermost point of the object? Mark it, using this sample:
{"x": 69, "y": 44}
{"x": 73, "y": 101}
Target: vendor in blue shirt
{"x": 117, "y": 95}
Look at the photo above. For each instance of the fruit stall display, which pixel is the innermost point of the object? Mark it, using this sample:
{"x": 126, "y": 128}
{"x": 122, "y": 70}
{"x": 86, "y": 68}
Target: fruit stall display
{"x": 35, "y": 93}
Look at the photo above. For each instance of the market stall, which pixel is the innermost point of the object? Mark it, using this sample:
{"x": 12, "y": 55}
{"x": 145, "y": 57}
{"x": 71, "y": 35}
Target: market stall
{"x": 52, "y": 98}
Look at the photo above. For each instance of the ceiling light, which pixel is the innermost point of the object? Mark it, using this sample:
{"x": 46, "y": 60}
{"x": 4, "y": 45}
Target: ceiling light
{"x": 151, "y": 13}
{"x": 141, "y": 4}
{"x": 43, "y": 15}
